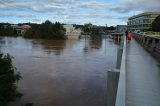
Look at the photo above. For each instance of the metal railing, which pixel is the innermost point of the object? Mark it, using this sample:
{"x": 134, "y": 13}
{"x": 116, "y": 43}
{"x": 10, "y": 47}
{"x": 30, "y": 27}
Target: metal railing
{"x": 116, "y": 78}
{"x": 121, "y": 91}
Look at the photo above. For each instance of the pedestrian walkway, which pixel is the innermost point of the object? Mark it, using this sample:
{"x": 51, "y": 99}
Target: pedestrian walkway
{"x": 142, "y": 77}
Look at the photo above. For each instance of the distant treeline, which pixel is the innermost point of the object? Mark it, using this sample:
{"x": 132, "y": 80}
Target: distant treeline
{"x": 46, "y": 30}
{"x": 95, "y": 31}
{"x": 7, "y": 30}
{"x": 88, "y": 29}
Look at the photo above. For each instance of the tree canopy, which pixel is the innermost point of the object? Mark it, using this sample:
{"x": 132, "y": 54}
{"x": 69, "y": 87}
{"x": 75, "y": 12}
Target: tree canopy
{"x": 46, "y": 30}
{"x": 87, "y": 28}
{"x": 111, "y": 28}
{"x": 156, "y": 24}
{"x": 91, "y": 30}
{"x": 7, "y": 30}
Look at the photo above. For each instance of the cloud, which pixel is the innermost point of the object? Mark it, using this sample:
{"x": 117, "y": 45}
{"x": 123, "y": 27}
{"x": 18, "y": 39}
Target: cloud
{"x": 17, "y": 15}
{"x": 139, "y": 5}
{"x": 76, "y": 10}
{"x": 34, "y": 5}
{"x": 91, "y": 15}
{"x": 123, "y": 6}
{"x": 28, "y": 17}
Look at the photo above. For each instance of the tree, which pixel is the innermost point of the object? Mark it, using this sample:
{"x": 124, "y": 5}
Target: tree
{"x": 46, "y": 30}
{"x": 111, "y": 28}
{"x": 47, "y": 22}
{"x": 7, "y": 30}
{"x": 87, "y": 28}
{"x": 156, "y": 24}
{"x": 8, "y": 79}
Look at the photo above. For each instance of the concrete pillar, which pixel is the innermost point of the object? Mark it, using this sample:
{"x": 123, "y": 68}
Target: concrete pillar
{"x": 149, "y": 46}
{"x": 119, "y": 57}
{"x": 144, "y": 40}
{"x": 112, "y": 86}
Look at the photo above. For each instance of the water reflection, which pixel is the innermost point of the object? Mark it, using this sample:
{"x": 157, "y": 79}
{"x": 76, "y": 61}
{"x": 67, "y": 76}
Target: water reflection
{"x": 96, "y": 43}
{"x": 50, "y": 46}
{"x": 91, "y": 44}
{"x": 61, "y": 73}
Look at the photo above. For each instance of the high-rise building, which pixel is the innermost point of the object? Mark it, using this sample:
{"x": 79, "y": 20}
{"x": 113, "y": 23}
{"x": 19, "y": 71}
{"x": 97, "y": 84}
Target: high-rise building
{"x": 142, "y": 21}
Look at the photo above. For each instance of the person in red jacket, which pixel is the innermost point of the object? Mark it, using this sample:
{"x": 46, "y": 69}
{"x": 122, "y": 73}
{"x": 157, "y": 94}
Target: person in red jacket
{"x": 129, "y": 37}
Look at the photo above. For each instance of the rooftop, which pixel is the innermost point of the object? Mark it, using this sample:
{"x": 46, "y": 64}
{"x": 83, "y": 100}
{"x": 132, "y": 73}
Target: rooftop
{"x": 145, "y": 13}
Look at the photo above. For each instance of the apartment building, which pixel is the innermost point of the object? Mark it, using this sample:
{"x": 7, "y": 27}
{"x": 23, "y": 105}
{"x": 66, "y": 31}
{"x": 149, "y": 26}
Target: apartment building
{"x": 142, "y": 21}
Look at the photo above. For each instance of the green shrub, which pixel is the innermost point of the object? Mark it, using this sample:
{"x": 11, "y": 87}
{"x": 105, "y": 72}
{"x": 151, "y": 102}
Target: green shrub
{"x": 8, "y": 80}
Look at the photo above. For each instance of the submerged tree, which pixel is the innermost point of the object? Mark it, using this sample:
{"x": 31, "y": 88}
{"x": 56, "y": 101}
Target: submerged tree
{"x": 87, "y": 28}
{"x": 8, "y": 79}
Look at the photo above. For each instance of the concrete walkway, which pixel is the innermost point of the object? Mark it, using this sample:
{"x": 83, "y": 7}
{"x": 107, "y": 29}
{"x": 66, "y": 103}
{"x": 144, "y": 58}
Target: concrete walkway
{"x": 142, "y": 77}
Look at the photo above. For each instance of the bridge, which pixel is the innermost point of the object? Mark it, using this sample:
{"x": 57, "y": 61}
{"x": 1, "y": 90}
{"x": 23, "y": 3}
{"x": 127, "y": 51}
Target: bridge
{"x": 136, "y": 80}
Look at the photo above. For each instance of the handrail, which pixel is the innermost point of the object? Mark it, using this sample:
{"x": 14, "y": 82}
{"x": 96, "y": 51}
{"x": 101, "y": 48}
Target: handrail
{"x": 121, "y": 92}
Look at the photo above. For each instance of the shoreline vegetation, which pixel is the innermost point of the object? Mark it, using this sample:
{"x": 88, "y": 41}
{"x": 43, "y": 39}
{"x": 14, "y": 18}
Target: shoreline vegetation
{"x": 8, "y": 80}
{"x": 7, "y": 30}
{"x": 46, "y": 30}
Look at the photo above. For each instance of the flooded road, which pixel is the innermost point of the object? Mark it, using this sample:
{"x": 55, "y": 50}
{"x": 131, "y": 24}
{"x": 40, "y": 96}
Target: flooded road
{"x": 61, "y": 72}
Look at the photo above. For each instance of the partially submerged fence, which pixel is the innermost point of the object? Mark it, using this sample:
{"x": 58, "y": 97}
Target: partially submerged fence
{"x": 116, "y": 78}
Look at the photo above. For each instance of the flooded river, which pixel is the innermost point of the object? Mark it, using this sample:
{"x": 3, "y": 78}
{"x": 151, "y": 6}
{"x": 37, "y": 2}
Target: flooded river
{"x": 61, "y": 72}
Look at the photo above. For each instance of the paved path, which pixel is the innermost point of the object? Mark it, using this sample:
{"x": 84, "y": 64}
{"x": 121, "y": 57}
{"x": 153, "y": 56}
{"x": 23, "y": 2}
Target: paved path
{"x": 142, "y": 77}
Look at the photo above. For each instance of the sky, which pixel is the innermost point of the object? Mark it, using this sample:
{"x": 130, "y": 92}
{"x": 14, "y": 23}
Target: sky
{"x": 97, "y": 12}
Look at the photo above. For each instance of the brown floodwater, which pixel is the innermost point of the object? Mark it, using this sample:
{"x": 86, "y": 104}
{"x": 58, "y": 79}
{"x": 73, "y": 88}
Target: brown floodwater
{"x": 61, "y": 72}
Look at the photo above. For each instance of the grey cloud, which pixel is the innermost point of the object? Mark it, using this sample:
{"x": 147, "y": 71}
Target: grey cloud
{"x": 124, "y": 6}
{"x": 17, "y": 15}
{"x": 35, "y": 20}
{"x": 27, "y": 17}
{"x": 139, "y": 5}
{"x": 89, "y": 15}
{"x": 78, "y": 9}
{"x": 34, "y": 5}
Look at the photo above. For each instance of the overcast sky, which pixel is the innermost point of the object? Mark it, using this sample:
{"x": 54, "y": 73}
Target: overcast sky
{"x": 98, "y": 12}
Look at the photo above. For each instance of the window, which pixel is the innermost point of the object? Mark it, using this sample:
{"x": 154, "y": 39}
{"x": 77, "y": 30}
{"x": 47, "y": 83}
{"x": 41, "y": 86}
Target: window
{"x": 147, "y": 16}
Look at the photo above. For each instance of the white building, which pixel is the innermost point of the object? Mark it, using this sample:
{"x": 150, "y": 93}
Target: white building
{"x": 71, "y": 32}
{"x": 21, "y": 29}
{"x": 142, "y": 21}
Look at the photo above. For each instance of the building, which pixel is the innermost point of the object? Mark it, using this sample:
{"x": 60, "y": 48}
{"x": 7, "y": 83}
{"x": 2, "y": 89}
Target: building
{"x": 71, "y": 32}
{"x": 142, "y": 21}
{"x": 121, "y": 28}
{"x": 21, "y": 29}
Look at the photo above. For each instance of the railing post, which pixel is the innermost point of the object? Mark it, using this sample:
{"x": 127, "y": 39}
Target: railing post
{"x": 119, "y": 57}
{"x": 112, "y": 86}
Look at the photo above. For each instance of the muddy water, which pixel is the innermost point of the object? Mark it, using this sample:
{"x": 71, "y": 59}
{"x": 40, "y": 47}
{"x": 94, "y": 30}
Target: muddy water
{"x": 61, "y": 72}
